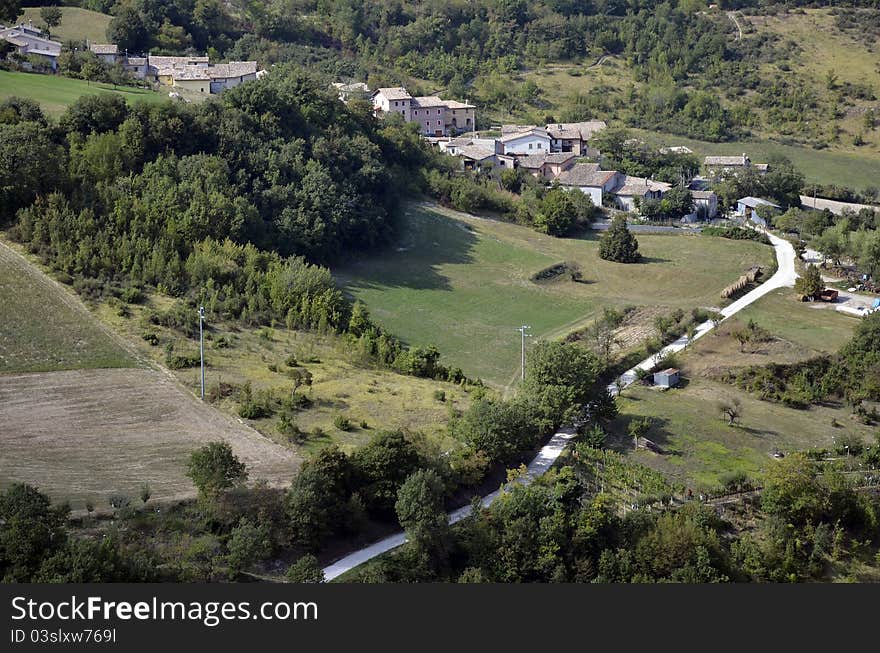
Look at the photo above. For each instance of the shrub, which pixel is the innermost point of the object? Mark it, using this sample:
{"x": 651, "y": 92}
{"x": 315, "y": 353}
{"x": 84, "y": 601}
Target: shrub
{"x": 440, "y": 395}
{"x": 182, "y": 361}
{"x": 342, "y": 423}
{"x": 151, "y": 337}
{"x": 132, "y": 295}
{"x": 291, "y": 361}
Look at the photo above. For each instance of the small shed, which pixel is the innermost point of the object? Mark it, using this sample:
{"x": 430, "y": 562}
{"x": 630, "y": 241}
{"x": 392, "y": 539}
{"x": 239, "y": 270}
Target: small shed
{"x": 668, "y": 378}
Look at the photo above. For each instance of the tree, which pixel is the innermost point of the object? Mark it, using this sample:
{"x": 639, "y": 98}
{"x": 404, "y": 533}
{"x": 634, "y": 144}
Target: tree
{"x": 618, "y": 244}
{"x": 306, "y": 570}
{"x": 731, "y": 409}
{"x": 9, "y": 10}
{"x": 557, "y": 214}
{"x": 810, "y": 284}
{"x": 31, "y": 530}
{"x": 146, "y": 493}
{"x": 420, "y": 510}
{"x": 248, "y": 542}
{"x": 127, "y": 29}
{"x": 560, "y": 379}
{"x": 793, "y": 491}
{"x": 214, "y": 468}
{"x": 317, "y": 503}
{"x": 51, "y": 16}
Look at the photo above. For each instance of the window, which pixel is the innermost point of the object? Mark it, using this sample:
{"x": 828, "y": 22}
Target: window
{"x": 395, "y": 102}
{"x": 417, "y": 112}
{"x": 530, "y": 146}
{"x": 438, "y": 122}
{"x": 438, "y": 112}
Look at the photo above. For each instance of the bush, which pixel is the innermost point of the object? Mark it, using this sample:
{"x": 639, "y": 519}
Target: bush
{"x": 440, "y": 395}
{"x": 342, "y": 423}
{"x": 291, "y": 361}
{"x": 132, "y": 295}
{"x": 151, "y": 337}
{"x": 182, "y": 361}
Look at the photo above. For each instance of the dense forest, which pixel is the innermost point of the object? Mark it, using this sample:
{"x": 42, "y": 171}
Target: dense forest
{"x": 234, "y": 204}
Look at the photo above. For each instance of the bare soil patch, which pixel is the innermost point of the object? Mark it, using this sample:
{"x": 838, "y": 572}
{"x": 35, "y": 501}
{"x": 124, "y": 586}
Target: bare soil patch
{"x": 87, "y": 434}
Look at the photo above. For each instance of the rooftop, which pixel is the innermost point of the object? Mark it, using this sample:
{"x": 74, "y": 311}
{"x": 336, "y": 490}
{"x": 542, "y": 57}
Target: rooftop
{"x": 534, "y": 131}
{"x": 586, "y": 174}
{"x": 394, "y": 93}
{"x": 640, "y": 186}
{"x": 104, "y": 48}
{"x": 727, "y": 161}
{"x": 571, "y": 130}
{"x": 537, "y": 160}
{"x": 754, "y": 202}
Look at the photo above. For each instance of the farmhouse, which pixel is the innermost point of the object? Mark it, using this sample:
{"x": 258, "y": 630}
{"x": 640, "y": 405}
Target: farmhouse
{"x": 574, "y": 136}
{"x": 108, "y": 53}
{"x": 29, "y": 41}
{"x": 720, "y": 165}
{"x": 547, "y": 166}
{"x": 747, "y": 207}
{"x": 705, "y": 204}
{"x": 435, "y": 116}
{"x": 632, "y": 190}
{"x": 532, "y": 140}
{"x": 591, "y": 181}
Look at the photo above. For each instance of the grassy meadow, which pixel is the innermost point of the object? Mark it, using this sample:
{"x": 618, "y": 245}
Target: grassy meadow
{"x": 463, "y": 283}
{"x": 76, "y": 24}
{"x": 44, "y": 327}
{"x": 55, "y": 93}
{"x": 372, "y": 399}
{"x": 700, "y": 447}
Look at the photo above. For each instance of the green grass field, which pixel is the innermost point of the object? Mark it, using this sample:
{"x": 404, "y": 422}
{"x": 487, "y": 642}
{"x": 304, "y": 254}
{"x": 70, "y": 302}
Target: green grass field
{"x": 76, "y": 24}
{"x": 853, "y": 169}
{"x": 44, "y": 327}
{"x": 463, "y": 283}
{"x": 55, "y": 93}
{"x": 700, "y": 446}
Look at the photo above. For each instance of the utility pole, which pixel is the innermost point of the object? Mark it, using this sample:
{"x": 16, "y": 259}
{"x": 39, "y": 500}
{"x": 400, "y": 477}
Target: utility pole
{"x": 202, "y": 346}
{"x": 523, "y": 335}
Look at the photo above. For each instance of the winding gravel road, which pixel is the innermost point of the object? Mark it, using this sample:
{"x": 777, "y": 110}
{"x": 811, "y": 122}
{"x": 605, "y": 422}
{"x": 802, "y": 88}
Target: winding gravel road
{"x": 784, "y": 276}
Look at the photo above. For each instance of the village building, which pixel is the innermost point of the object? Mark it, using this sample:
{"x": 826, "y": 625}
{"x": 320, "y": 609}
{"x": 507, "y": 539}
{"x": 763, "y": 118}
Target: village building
{"x": 107, "y": 53}
{"x": 435, "y": 116}
{"x": 719, "y": 165}
{"x": 705, "y": 204}
{"x": 633, "y": 190}
{"x": 547, "y": 166}
{"x": 587, "y": 178}
{"x": 574, "y": 136}
{"x": 747, "y": 208}
{"x": 29, "y": 41}
{"x": 532, "y": 140}
{"x": 350, "y": 91}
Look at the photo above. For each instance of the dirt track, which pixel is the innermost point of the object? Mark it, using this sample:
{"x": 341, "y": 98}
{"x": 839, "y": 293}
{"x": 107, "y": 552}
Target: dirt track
{"x": 91, "y": 433}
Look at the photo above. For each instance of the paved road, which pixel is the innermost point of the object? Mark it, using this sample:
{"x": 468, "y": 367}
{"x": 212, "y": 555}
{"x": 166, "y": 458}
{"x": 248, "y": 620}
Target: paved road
{"x": 539, "y": 465}
{"x": 785, "y": 276}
